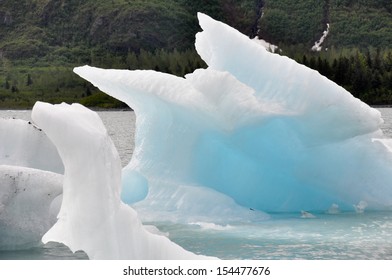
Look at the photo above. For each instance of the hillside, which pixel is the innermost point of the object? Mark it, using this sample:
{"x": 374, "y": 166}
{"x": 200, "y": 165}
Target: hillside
{"x": 65, "y": 28}
{"x": 42, "y": 40}
{"x": 359, "y": 23}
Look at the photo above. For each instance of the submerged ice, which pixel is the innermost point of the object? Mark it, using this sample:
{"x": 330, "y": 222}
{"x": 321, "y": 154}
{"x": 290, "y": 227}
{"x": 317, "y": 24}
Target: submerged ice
{"x": 268, "y": 132}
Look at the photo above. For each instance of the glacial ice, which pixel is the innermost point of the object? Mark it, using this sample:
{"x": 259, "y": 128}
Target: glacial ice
{"x": 24, "y": 144}
{"x": 30, "y": 186}
{"x": 28, "y": 206}
{"x": 268, "y": 132}
{"x": 92, "y": 217}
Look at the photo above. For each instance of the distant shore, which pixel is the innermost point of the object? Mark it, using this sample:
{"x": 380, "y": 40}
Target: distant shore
{"x": 97, "y": 109}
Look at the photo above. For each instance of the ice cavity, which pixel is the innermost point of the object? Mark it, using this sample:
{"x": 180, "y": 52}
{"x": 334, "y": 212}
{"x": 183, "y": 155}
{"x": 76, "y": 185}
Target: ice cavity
{"x": 268, "y": 132}
{"x": 92, "y": 217}
{"x": 28, "y": 205}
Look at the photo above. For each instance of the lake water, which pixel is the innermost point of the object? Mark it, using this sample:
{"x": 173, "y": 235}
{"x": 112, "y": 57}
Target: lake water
{"x": 284, "y": 236}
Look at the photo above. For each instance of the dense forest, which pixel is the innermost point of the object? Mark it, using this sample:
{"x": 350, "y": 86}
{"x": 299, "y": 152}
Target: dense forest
{"x": 366, "y": 74}
{"x": 42, "y": 40}
{"x": 357, "y": 52}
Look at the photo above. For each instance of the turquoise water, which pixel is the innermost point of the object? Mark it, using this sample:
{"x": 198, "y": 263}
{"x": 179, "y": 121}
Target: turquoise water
{"x": 285, "y": 236}
{"x": 346, "y": 235}
{"x": 288, "y": 236}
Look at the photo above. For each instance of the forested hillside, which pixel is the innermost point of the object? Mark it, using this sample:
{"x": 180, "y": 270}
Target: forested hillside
{"x": 42, "y": 40}
{"x": 357, "y": 52}
{"x": 353, "y": 23}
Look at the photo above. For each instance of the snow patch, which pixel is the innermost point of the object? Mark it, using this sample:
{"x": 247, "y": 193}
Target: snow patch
{"x": 268, "y": 46}
{"x": 317, "y": 45}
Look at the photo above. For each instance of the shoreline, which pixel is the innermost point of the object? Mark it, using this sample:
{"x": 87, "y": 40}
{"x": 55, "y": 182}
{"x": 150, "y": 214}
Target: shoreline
{"x": 100, "y": 109}
{"x": 95, "y": 109}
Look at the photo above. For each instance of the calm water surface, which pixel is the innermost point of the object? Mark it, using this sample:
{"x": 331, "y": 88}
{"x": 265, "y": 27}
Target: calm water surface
{"x": 284, "y": 236}
{"x": 119, "y": 124}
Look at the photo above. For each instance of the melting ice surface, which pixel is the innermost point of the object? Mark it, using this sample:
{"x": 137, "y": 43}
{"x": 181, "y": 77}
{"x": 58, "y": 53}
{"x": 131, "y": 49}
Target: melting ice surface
{"x": 268, "y": 133}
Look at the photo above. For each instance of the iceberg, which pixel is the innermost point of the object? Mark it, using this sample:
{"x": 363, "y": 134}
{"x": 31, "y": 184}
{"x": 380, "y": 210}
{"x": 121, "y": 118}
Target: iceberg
{"x": 92, "y": 217}
{"x": 25, "y": 144}
{"x": 30, "y": 184}
{"x": 259, "y": 128}
{"x": 29, "y": 203}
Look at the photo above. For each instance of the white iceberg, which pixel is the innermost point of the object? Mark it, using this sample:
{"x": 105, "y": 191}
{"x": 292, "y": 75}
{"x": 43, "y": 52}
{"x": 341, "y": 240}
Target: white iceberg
{"x": 360, "y": 207}
{"x": 30, "y": 184}
{"x": 334, "y": 209}
{"x": 92, "y": 217}
{"x": 29, "y": 203}
{"x": 260, "y": 128}
{"x": 25, "y": 144}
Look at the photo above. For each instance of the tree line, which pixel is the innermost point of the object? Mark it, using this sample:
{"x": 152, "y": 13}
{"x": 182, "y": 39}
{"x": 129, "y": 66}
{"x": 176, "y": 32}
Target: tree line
{"x": 367, "y": 74}
{"x": 52, "y": 80}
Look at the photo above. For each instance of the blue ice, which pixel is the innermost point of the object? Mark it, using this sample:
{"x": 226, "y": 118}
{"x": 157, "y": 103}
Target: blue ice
{"x": 267, "y": 132}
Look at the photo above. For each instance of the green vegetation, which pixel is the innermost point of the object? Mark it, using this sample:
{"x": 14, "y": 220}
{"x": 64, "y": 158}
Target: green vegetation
{"x": 21, "y": 86}
{"x": 360, "y": 23}
{"x": 366, "y": 74}
{"x": 42, "y": 40}
{"x": 357, "y": 52}
{"x": 353, "y": 24}
{"x": 292, "y": 22}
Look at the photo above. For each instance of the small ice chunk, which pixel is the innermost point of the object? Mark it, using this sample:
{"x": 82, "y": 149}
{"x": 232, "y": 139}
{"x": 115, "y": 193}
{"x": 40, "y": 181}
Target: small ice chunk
{"x": 307, "y": 215}
{"x": 360, "y": 207}
{"x": 334, "y": 209}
